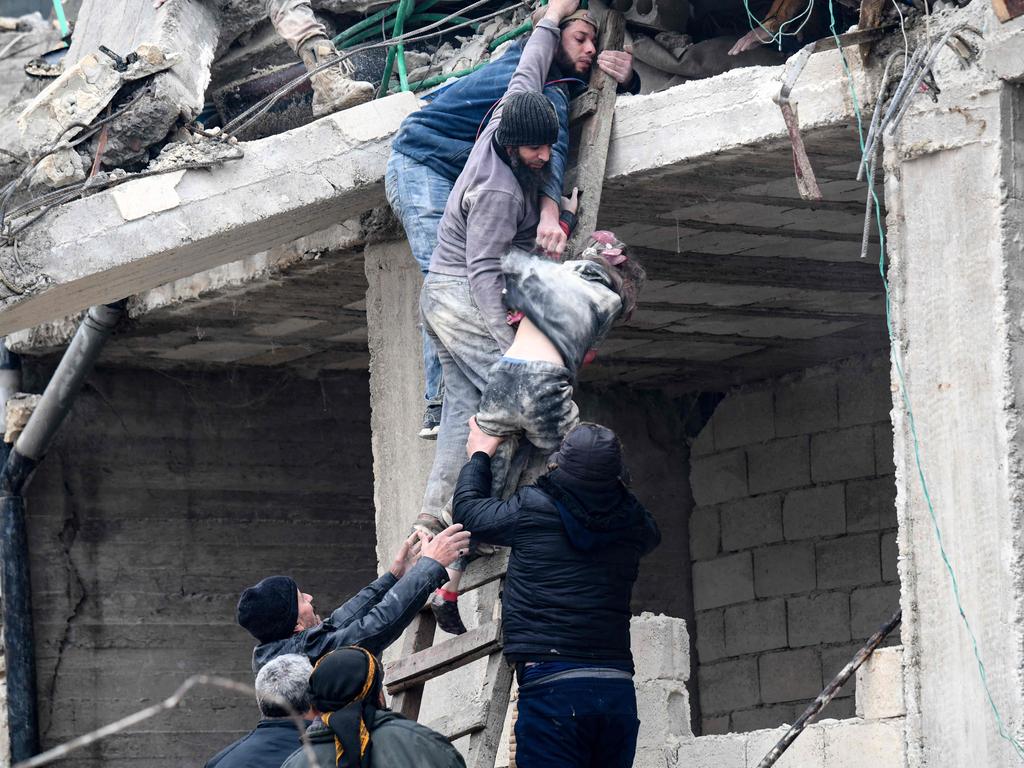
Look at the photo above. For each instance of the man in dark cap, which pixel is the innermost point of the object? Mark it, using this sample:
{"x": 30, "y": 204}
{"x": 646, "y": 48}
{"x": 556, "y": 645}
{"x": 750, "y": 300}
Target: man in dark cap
{"x": 283, "y": 620}
{"x": 493, "y": 206}
{"x": 577, "y": 537}
{"x": 353, "y": 727}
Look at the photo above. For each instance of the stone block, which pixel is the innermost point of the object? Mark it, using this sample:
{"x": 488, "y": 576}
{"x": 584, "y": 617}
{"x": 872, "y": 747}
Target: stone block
{"x": 884, "y": 462}
{"x": 711, "y": 635}
{"x": 755, "y": 627}
{"x": 864, "y": 744}
{"x": 704, "y": 533}
{"x": 789, "y": 675}
{"x": 813, "y": 512}
{"x": 728, "y": 685}
{"x": 871, "y": 504}
{"x": 833, "y": 659}
{"x": 865, "y": 396}
{"x": 661, "y": 647}
{"x": 704, "y": 752}
{"x": 663, "y": 707}
{"x": 712, "y": 726}
{"x": 820, "y": 618}
{"x": 849, "y": 561}
{"x": 890, "y": 557}
{"x": 723, "y": 581}
{"x": 779, "y": 464}
{"x": 871, "y": 607}
{"x": 808, "y": 751}
{"x": 718, "y": 477}
{"x": 808, "y": 405}
{"x": 784, "y": 569}
{"x": 744, "y": 418}
{"x": 880, "y": 685}
{"x": 843, "y": 454}
{"x": 758, "y": 718}
{"x": 752, "y": 522}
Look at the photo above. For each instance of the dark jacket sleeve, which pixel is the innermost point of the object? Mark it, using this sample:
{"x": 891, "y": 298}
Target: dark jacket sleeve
{"x": 369, "y": 596}
{"x": 489, "y": 518}
{"x": 385, "y": 621}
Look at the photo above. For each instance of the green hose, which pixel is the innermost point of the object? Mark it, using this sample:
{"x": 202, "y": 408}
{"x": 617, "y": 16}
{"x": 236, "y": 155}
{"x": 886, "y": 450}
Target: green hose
{"x": 430, "y": 82}
{"x": 62, "y": 20}
{"x": 366, "y": 34}
{"x": 523, "y": 28}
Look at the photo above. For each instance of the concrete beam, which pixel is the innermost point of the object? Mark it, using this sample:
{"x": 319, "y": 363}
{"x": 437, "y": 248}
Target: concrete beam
{"x": 286, "y": 187}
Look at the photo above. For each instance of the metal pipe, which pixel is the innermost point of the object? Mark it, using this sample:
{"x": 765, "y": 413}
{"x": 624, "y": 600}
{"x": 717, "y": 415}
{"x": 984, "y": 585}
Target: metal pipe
{"x": 19, "y": 461}
{"x": 19, "y": 643}
{"x": 74, "y": 366}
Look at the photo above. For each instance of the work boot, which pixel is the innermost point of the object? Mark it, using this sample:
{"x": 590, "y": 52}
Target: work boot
{"x": 333, "y": 87}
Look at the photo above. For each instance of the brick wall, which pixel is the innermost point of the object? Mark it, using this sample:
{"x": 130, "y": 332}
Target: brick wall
{"x": 164, "y": 495}
{"x": 793, "y": 541}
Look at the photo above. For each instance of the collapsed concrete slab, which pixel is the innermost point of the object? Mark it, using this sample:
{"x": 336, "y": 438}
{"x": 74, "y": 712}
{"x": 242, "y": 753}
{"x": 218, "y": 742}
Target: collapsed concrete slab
{"x": 97, "y": 250}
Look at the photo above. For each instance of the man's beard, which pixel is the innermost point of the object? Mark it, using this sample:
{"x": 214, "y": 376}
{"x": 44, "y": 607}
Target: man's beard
{"x": 530, "y": 180}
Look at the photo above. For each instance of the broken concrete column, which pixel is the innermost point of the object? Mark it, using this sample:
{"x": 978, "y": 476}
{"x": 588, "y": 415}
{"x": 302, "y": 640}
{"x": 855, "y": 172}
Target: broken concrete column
{"x": 661, "y": 654}
{"x": 185, "y": 29}
{"x": 954, "y": 192}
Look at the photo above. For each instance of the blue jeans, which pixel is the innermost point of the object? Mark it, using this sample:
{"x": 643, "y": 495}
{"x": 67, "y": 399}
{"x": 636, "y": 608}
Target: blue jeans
{"x": 418, "y": 196}
{"x": 577, "y": 723}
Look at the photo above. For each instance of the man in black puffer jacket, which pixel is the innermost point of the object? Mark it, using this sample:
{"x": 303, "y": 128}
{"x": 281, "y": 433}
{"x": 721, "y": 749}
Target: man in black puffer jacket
{"x": 577, "y": 537}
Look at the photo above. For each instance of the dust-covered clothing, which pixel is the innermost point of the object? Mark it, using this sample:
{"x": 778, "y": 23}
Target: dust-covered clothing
{"x": 573, "y": 302}
{"x": 488, "y": 210}
{"x": 294, "y": 21}
{"x": 574, "y": 305}
{"x": 529, "y": 397}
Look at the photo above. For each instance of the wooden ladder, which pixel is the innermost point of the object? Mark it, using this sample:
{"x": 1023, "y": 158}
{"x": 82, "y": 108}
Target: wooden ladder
{"x": 422, "y": 661}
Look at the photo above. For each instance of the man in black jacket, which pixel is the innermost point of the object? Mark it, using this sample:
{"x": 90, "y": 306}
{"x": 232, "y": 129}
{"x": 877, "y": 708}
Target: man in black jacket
{"x": 283, "y": 620}
{"x": 577, "y": 537}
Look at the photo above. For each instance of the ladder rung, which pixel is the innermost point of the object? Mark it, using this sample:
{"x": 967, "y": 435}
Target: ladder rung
{"x": 451, "y": 654}
{"x": 484, "y": 570}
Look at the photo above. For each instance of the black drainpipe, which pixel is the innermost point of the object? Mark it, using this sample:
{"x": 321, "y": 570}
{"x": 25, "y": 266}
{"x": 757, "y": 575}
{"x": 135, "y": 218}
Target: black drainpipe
{"x": 20, "y": 460}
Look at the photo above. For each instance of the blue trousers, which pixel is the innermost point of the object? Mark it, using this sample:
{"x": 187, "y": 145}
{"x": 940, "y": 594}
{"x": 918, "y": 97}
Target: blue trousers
{"x": 418, "y": 196}
{"x": 577, "y": 723}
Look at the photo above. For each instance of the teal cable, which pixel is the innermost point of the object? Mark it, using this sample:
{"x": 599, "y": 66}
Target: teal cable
{"x": 908, "y": 409}
{"x": 62, "y": 19}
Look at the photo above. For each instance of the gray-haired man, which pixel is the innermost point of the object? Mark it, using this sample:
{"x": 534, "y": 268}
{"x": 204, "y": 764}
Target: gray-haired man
{"x": 275, "y": 737}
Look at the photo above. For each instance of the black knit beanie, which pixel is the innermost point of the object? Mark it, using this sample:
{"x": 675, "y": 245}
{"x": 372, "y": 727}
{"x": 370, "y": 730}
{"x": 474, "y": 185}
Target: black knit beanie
{"x": 270, "y": 609}
{"x": 528, "y": 119}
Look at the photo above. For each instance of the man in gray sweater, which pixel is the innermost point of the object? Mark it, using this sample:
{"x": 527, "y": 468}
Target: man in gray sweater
{"x": 493, "y": 206}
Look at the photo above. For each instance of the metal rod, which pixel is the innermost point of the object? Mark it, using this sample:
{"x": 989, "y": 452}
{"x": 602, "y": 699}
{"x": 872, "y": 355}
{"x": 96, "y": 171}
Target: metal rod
{"x": 19, "y": 642}
{"x": 830, "y": 691}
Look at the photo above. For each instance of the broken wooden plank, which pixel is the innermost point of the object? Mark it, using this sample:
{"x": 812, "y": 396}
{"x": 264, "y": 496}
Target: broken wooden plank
{"x": 449, "y": 655}
{"x": 583, "y": 105}
{"x": 1008, "y": 9}
{"x": 484, "y": 570}
{"x": 461, "y": 722}
{"x": 596, "y": 134}
{"x": 870, "y": 17}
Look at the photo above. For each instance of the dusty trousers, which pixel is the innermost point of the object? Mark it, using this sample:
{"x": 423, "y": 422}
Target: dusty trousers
{"x": 467, "y": 352}
{"x": 294, "y": 21}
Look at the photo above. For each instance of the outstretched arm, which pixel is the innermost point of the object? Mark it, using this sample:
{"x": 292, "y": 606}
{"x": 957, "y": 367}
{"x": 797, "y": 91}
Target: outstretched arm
{"x": 491, "y": 519}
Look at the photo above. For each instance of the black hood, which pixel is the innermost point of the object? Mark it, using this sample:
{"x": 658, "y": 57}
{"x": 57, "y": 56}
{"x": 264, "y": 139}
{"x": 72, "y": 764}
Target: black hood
{"x": 592, "y": 518}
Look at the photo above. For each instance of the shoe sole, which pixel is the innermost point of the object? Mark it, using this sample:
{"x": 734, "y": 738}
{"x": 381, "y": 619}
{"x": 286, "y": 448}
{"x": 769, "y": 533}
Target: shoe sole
{"x": 429, "y": 433}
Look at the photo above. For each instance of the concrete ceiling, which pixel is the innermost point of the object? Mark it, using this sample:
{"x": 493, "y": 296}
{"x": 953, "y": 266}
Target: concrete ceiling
{"x": 746, "y": 281}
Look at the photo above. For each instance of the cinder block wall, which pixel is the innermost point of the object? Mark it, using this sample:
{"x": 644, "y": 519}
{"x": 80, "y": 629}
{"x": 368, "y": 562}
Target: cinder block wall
{"x": 164, "y": 495}
{"x": 793, "y": 541}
